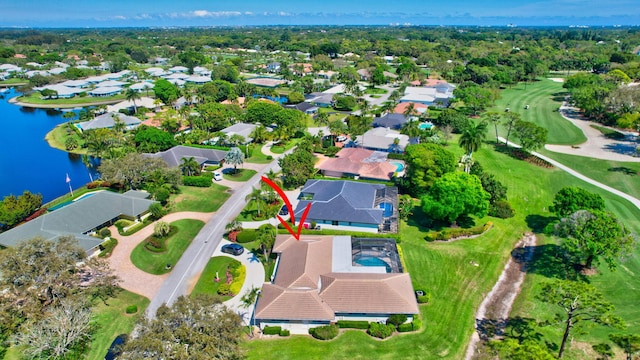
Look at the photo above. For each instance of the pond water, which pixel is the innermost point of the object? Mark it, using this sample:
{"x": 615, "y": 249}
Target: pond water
{"x": 27, "y": 162}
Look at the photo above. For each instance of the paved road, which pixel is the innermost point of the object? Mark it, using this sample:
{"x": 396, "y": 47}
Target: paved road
{"x": 626, "y": 196}
{"x": 199, "y": 252}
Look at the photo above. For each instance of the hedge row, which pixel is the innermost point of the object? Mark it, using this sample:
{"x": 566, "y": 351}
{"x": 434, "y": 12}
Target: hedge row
{"x": 107, "y": 247}
{"x": 198, "y": 181}
{"x": 326, "y": 332}
{"x": 272, "y": 330}
{"x": 246, "y": 236}
{"x": 353, "y": 324}
{"x": 381, "y": 331}
{"x": 448, "y": 234}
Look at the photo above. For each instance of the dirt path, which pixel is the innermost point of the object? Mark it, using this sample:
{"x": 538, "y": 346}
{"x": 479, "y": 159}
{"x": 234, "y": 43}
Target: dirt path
{"x": 496, "y": 306}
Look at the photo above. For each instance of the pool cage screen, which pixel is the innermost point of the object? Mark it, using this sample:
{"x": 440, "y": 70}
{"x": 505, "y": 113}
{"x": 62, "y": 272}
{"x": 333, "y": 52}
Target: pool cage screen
{"x": 378, "y": 248}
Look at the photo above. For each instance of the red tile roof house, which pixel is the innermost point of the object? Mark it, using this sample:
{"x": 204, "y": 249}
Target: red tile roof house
{"x": 358, "y": 162}
{"x": 319, "y": 280}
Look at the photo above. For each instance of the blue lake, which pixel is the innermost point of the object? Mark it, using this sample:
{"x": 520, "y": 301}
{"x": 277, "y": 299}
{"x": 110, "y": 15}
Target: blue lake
{"x": 27, "y": 161}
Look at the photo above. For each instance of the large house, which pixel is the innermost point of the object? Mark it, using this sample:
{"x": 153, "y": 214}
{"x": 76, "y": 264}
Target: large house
{"x": 358, "y": 162}
{"x": 322, "y": 279}
{"x": 383, "y": 139}
{"x": 438, "y": 95}
{"x": 391, "y": 120}
{"x": 173, "y": 157}
{"x": 81, "y": 218}
{"x": 242, "y": 129}
{"x": 108, "y": 120}
{"x": 349, "y": 205}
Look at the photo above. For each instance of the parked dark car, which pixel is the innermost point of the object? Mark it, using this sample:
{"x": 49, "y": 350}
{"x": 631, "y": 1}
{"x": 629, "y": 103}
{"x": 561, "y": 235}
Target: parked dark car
{"x": 233, "y": 249}
{"x": 116, "y": 347}
{"x": 284, "y": 210}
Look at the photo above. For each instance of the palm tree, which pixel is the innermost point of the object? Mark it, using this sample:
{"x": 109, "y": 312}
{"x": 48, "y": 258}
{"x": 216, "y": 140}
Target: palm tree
{"x": 259, "y": 134}
{"x": 387, "y": 106}
{"x": 411, "y": 128}
{"x": 132, "y": 96}
{"x": 472, "y": 138}
{"x": 118, "y": 124}
{"x": 69, "y": 115}
{"x": 256, "y": 196}
{"x": 510, "y": 119}
{"x": 322, "y": 119}
{"x": 494, "y": 117}
{"x": 88, "y": 164}
{"x": 190, "y": 166}
{"x": 410, "y": 110}
{"x": 266, "y": 236}
{"x": 234, "y": 157}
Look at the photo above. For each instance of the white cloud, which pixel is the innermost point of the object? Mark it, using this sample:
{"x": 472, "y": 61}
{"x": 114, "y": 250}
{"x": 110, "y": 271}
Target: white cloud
{"x": 210, "y": 14}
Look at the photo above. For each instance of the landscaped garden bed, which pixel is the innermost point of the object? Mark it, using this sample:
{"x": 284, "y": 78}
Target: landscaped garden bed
{"x": 219, "y": 265}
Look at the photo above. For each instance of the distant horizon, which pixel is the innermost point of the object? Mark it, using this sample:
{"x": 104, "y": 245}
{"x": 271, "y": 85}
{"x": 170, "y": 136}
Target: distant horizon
{"x": 213, "y": 13}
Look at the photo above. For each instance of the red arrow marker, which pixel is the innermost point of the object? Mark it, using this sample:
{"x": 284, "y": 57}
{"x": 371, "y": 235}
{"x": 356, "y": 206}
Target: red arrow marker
{"x": 285, "y": 198}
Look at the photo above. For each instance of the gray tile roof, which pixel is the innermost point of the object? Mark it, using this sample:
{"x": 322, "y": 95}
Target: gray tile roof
{"x": 173, "y": 157}
{"x": 107, "y": 121}
{"x": 346, "y": 201}
{"x": 79, "y": 218}
{"x": 241, "y": 129}
{"x": 394, "y": 121}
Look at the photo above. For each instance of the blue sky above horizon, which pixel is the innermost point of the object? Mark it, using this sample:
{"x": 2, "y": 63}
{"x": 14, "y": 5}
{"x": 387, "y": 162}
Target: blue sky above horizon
{"x": 142, "y": 13}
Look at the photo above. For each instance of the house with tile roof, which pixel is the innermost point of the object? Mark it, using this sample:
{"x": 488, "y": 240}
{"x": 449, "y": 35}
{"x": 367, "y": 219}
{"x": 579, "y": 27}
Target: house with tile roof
{"x": 107, "y": 121}
{"x": 349, "y": 205}
{"x": 358, "y": 162}
{"x": 321, "y": 279}
{"x": 391, "y": 120}
{"x": 383, "y": 139}
{"x": 81, "y": 218}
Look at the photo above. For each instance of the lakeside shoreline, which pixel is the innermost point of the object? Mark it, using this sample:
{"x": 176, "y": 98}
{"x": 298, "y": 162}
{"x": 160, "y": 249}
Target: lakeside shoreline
{"x": 15, "y": 101}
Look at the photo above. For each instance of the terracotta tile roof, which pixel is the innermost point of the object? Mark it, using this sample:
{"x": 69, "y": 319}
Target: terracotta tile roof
{"x": 402, "y": 107}
{"x": 363, "y": 162}
{"x": 305, "y": 288}
{"x": 369, "y": 293}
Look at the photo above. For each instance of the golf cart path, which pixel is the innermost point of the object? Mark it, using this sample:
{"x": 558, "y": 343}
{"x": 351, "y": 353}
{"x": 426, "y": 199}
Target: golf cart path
{"x": 597, "y": 145}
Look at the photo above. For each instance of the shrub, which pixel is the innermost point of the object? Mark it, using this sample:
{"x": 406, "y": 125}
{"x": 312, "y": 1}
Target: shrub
{"x": 394, "y": 156}
{"x": 157, "y": 211}
{"x": 239, "y": 274}
{"x": 331, "y": 150}
{"x": 405, "y": 327}
{"x": 104, "y": 232}
{"x": 269, "y": 157}
{"x": 224, "y": 289}
{"x": 197, "y": 181}
{"x": 326, "y": 332}
{"x": 452, "y": 233}
{"x": 162, "y": 195}
{"x": 271, "y": 330}
{"x": 397, "y": 319}
{"x": 285, "y": 332}
{"x": 424, "y": 299}
{"x": 417, "y": 324}
{"x": 246, "y": 236}
{"x": 107, "y": 247}
{"x": 131, "y": 309}
{"x": 501, "y": 209}
{"x": 353, "y": 324}
{"x": 381, "y": 331}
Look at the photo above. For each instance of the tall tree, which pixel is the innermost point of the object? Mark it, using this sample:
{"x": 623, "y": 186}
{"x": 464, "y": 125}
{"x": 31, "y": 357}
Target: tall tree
{"x": 259, "y": 134}
{"x": 472, "y": 138}
{"x": 593, "y": 234}
{"x": 195, "y": 327}
{"x": 455, "y": 194}
{"x": 531, "y": 136}
{"x": 579, "y": 302}
{"x": 510, "y": 120}
{"x": 266, "y": 236}
{"x": 234, "y": 157}
{"x": 573, "y": 198}
{"x": 494, "y": 117}
{"x": 630, "y": 343}
{"x": 426, "y": 163}
{"x": 257, "y": 197}
{"x": 132, "y": 96}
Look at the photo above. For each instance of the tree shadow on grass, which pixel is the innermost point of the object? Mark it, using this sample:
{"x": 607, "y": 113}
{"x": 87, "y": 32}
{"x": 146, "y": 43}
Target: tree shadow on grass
{"x": 624, "y": 170}
{"x": 559, "y": 96}
{"x": 538, "y": 223}
{"x": 548, "y": 260}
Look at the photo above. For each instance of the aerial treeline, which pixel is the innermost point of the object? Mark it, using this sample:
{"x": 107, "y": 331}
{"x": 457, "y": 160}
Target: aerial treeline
{"x": 15, "y": 209}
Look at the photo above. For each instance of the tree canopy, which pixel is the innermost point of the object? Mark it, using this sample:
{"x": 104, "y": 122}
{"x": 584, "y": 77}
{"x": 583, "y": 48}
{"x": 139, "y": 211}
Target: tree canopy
{"x": 426, "y": 163}
{"x": 453, "y": 195}
{"x": 572, "y": 198}
{"x": 150, "y": 139}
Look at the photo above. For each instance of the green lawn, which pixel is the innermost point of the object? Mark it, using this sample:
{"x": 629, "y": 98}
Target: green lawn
{"x": 113, "y": 321}
{"x": 199, "y": 199}
{"x": 206, "y": 283}
{"x": 544, "y": 97}
{"x": 155, "y": 263}
{"x": 624, "y": 176}
{"x": 374, "y": 90}
{"x": 240, "y": 175}
{"x": 57, "y": 137}
{"x": 258, "y": 157}
{"x": 456, "y": 286}
{"x": 609, "y": 133}
{"x": 36, "y": 98}
{"x": 280, "y": 149}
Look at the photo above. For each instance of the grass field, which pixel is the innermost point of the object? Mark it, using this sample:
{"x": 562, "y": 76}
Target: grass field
{"x": 258, "y": 157}
{"x": 241, "y": 175}
{"x": 57, "y": 137}
{"x": 544, "y": 98}
{"x": 206, "y": 283}
{"x": 112, "y": 321}
{"x": 444, "y": 269}
{"x": 200, "y": 199}
{"x": 36, "y": 98}
{"x": 155, "y": 263}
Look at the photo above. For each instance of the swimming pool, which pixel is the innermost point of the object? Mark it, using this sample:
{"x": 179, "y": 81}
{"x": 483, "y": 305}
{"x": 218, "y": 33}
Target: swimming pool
{"x": 372, "y": 261}
{"x": 425, "y": 126}
{"x": 387, "y": 209}
{"x": 399, "y": 166}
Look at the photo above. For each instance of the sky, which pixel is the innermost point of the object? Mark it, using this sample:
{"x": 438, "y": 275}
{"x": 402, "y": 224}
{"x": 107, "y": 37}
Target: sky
{"x": 145, "y": 13}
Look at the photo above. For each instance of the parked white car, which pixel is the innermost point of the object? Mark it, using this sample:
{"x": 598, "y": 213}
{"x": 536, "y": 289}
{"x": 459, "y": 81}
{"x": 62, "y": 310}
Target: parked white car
{"x": 217, "y": 176}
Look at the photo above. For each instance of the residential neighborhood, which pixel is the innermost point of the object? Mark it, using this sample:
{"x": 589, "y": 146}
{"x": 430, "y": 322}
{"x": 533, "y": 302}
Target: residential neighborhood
{"x": 320, "y": 192}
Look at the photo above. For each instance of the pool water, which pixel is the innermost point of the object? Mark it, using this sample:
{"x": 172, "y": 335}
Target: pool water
{"x": 399, "y": 166}
{"x": 387, "y": 209}
{"x": 425, "y": 126}
{"x": 372, "y": 261}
